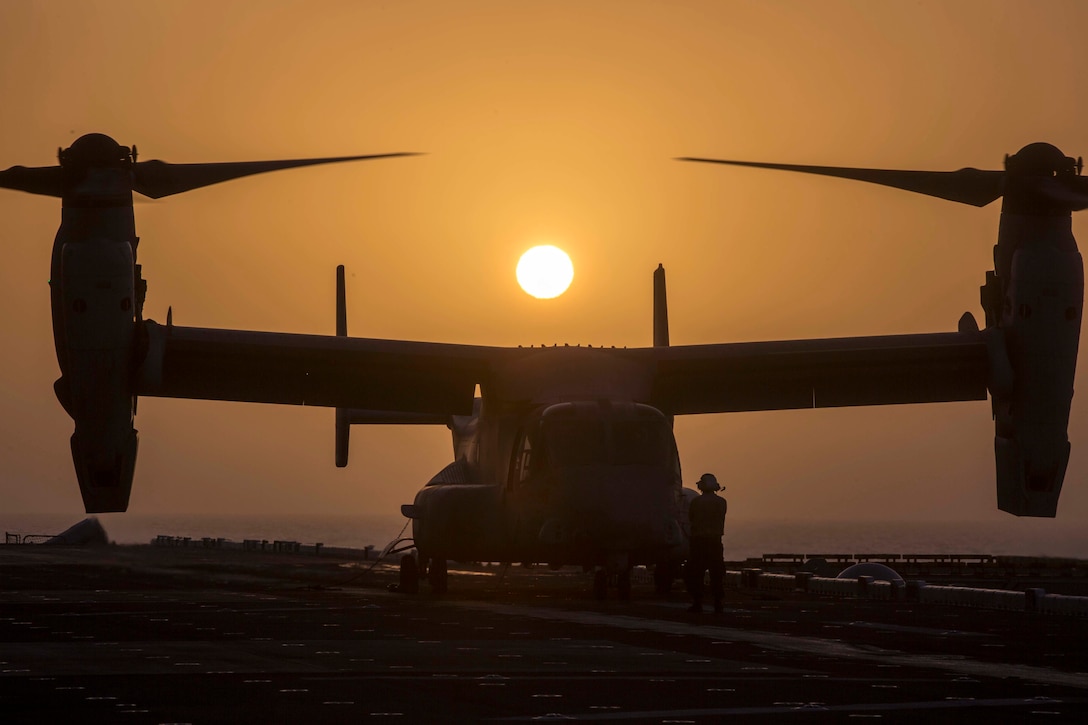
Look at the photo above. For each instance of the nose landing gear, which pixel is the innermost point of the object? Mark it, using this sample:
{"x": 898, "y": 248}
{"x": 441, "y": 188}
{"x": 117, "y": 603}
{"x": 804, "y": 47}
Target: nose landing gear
{"x": 622, "y": 579}
{"x": 600, "y": 584}
{"x": 438, "y": 576}
{"x": 665, "y": 574}
{"x": 616, "y": 571}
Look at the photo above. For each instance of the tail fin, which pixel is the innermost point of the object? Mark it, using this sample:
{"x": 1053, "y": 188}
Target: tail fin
{"x": 341, "y": 304}
{"x": 661, "y": 309}
{"x": 661, "y": 317}
{"x": 343, "y": 418}
{"x": 347, "y": 417}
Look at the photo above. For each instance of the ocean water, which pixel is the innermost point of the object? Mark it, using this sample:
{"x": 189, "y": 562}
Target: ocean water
{"x": 743, "y": 539}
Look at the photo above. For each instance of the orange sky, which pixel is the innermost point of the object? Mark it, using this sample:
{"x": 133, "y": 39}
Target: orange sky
{"x": 545, "y": 122}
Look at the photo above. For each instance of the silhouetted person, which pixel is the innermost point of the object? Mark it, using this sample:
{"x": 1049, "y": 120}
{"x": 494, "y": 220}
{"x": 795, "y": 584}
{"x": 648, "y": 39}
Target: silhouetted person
{"x": 707, "y": 517}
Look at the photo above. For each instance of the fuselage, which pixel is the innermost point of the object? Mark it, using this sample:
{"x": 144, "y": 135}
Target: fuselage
{"x": 587, "y": 483}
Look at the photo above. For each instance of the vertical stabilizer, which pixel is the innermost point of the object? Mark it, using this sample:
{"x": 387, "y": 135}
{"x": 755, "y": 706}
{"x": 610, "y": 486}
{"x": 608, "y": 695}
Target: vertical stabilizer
{"x": 661, "y": 309}
{"x": 661, "y": 317}
{"x": 343, "y": 423}
{"x": 341, "y": 304}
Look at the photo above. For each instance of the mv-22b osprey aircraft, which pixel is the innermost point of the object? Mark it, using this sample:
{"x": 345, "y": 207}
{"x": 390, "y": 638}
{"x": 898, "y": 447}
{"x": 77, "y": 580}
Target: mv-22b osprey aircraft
{"x": 568, "y": 455}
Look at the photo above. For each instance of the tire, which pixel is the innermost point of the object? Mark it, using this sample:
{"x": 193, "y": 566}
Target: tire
{"x": 438, "y": 576}
{"x": 664, "y": 574}
{"x": 409, "y": 575}
{"x": 623, "y": 585}
{"x": 600, "y": 584}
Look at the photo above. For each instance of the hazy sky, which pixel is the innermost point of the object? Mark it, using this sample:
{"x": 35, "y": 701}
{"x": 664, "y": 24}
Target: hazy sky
{"x": 545, "y": 122}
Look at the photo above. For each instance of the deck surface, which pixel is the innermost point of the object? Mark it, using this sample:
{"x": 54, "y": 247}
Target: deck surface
{"x": 141, "y": 634}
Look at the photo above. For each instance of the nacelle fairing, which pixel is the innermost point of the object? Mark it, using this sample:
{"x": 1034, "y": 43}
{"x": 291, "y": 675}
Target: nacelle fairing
{"x": 1035, "y": 297}
{"x": 465, "y": 432}
{"x": 1040, "y": 316}
{"x": 456, "y": 515}
{"x": 97, "y": 303}
{"x": 459, "y": 520}
{"x": 97, "y": 299}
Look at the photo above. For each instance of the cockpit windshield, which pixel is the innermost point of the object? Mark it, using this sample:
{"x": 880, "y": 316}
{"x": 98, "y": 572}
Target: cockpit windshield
{"x": 576, "y": 442}
{"x": 642, "y": 441}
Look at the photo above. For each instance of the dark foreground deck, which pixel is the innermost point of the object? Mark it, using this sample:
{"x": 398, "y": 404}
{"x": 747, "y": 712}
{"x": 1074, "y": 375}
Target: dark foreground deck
{"x": 123, "y": 634}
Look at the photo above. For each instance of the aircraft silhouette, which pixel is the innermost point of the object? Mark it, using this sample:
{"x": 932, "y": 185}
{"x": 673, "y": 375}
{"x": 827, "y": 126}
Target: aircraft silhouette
{"x": 568, "y": 455}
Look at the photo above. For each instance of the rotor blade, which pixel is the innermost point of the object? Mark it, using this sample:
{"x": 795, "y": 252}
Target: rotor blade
{"x": 157, "y": 179}
{"x": 45, "y": 180}
{"x": 967, "y": 186}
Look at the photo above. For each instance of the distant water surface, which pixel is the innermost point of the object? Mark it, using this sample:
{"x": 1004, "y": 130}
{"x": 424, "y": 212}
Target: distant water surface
{"x": 743, "y": 539}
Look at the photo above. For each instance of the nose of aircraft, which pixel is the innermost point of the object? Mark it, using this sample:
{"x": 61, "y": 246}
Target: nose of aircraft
{"x": 626, "y": 509}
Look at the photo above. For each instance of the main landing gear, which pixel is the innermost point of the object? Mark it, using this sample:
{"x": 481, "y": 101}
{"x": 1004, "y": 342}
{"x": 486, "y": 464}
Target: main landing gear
{"x": 664, "y": 575}
{"x": 411, "y": 571}
{"x": 622, "y": 579}
{"x": 409, "y": 575}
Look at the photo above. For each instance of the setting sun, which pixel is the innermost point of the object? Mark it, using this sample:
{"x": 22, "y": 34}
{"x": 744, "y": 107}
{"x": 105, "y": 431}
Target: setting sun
{"x": 545, "y": 272}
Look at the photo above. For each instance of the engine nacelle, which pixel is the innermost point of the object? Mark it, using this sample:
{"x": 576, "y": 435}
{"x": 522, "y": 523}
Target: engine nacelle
{"x": 1040, "y": 317}
{"x": 98, "y": 301}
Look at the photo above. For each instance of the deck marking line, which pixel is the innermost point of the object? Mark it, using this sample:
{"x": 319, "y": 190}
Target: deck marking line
{"x": 800, "y": 709}
{"x": 791, "y": 643}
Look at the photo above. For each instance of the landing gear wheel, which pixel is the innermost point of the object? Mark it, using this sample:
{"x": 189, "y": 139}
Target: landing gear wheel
{"x": 663, "y": 577}
{"x": 438, "y": 576}
{"x": 409, "y": 575}
{"x": 600, "y": 584}
{"x": 623, "y": 585}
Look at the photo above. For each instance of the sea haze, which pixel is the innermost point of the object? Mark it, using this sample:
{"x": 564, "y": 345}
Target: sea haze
{"x": 743, "y": 539}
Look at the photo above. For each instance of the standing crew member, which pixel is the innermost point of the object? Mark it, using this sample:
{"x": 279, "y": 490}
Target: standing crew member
{"x": 707, "y": 517}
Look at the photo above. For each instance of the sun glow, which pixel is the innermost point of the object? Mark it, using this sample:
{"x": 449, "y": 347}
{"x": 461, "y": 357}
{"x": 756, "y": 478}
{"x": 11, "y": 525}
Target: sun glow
{"x": 545, "y": 272}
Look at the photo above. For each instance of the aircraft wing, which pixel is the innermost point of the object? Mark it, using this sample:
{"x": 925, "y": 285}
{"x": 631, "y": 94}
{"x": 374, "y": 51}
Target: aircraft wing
{"x": 825, "y": 373}
{"x": 423, "y": 378}
{"x": 344, "y": 372}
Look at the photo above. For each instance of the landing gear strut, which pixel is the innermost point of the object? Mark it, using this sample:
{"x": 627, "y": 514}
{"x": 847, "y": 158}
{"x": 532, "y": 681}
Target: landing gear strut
{"x": 409, "y": 575}
{"x": 438, "y": 576}
{"x": 623, "y": 584}
{"x": 664, "y": 574}
{"x": 600, "y": 584}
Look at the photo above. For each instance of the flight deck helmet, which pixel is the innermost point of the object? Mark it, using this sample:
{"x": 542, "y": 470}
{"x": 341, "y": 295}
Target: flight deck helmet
{"x": 707, "y": 482}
